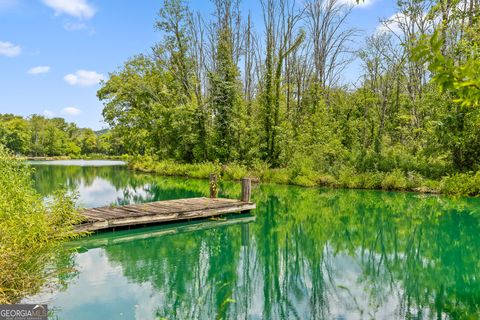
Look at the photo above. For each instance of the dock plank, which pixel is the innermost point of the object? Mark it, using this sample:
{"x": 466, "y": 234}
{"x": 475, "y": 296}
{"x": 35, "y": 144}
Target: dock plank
{"x": 159, "y": 211}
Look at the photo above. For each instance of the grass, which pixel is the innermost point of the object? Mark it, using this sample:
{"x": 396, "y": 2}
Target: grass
{"x": 31, "y": 231}
{"x": 467, "y": 184}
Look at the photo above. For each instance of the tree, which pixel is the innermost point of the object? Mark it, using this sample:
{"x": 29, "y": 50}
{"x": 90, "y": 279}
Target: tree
{"x": 225, "y": 89}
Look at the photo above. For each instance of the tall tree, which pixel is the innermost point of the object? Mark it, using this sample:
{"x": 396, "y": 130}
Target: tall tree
{"x": 225, "y": 87}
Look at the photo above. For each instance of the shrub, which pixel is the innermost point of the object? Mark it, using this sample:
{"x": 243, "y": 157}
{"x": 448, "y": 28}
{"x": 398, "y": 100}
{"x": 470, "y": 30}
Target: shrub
{"x": 259, "y": 169}
{"x": 280, "y": 176}
{"x": 394, "y": 180}
{"x": 235, "y": 172}
{"x": 201, "y": 170}
{"x": 304, "y": 181}
{"x": 414, "y": 180}
{"x": 31, "y": 231}
{"x": 327, "y": 180}
{"x": 461, "y": 184}
{"x": 429, "y": 186}
{"x": 372, "y": 180}
{"x": 349, "y": 178}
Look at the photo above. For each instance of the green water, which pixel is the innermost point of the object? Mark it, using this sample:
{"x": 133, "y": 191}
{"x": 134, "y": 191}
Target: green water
{"x": 305, "y": 254}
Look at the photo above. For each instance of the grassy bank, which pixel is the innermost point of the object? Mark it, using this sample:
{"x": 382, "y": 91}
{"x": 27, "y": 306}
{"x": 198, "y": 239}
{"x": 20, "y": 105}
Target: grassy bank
{"x": 31, "y": 232}
{"x": 460, "y": 184}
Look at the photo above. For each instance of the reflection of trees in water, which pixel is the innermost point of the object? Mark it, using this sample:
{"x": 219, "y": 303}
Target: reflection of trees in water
{"x": 135, "y": 187}
{"x": 48, "y": 178}
{"x": 420, "y": 253}
{"x": 417, "y": 253}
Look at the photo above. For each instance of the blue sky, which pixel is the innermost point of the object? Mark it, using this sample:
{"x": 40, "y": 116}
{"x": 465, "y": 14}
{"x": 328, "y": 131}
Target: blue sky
{"x": 54, "y": 52}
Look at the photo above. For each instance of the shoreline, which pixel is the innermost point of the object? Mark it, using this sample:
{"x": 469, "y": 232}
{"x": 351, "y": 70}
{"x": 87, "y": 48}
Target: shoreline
{"x": 386, "y": 181}
{"x": 458, "y": 184}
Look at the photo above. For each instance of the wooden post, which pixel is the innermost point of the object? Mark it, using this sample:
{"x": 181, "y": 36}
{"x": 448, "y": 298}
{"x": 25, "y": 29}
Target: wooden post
{"x": 213, "y": 185}
{"x": 246, "y": 189}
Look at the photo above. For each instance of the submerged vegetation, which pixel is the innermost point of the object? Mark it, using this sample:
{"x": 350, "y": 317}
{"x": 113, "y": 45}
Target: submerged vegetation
{"x": 31, "y": 231}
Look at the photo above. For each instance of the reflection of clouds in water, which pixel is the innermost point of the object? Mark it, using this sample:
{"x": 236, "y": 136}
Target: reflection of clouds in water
{"x": 101, "y": 192}
{"x": 348, "y": 294}
{"x": 102, "y": 289}
{"x": 102, "y": 292}
{"x": 351, "y": 294}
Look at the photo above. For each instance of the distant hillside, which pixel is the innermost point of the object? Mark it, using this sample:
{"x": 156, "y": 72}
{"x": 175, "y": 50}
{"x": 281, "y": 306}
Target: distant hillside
{"x": 101, "y": 132}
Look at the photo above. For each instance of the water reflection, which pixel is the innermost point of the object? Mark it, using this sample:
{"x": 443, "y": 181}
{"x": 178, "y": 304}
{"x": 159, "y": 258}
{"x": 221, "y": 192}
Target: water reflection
{"x": 78, "y": 163}
{"x": 309, "y": 254}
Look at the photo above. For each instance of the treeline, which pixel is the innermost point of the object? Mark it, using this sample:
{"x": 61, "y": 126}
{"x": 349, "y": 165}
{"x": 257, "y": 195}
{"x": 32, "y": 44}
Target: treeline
{"x": 40, "y": 136}
{"x": 222, "y": 89}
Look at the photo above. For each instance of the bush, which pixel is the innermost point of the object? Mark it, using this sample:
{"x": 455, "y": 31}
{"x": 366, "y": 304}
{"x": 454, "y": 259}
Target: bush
{"x": 327, "y": 180}
{"x": 372, "y": 180}
{"x": 235, "y": 172}
{"x": 349, "y": 178}
{"x": 305, "y": 181}
{"x": 200, "y": 170}
{"x": 30, "y": 230}
{"x": 259, "y": 169}
{"x": 461, "y": 184}
{"x": 280, "y": 176}
{"x": 394, "y": 180}
{"x": 414, "y": 180}
{"x": 301, "y": 173}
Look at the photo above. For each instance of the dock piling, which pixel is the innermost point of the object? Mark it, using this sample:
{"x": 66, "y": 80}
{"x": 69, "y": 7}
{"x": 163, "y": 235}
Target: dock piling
{"x": 246, "y": 189}
{"x": 213, "y": 185}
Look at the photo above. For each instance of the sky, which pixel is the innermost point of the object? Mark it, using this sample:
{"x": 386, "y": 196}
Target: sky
{"x": 54, "y": 53}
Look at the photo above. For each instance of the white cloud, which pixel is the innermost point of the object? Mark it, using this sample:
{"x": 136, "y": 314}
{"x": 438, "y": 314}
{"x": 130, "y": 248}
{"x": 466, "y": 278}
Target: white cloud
{"x": 76, "y": 8}
{"x": 83, "y": 78}
{"x": 392, "y": 24}
{"x": 72, "y": 26}
{"x": 39, "y": 70}
{"x": 71, "y": 111}
{"x": 361, "y": 3}
{"x": 8, "y": 49}
{"x": 48, "y": 113}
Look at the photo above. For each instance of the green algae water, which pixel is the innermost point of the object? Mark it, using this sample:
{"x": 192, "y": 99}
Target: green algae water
{"x": 302, "y": 254}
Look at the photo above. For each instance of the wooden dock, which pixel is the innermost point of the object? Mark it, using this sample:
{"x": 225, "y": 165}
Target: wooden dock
{"x": 166, "y": 211}
{"x": 160, "y": 211}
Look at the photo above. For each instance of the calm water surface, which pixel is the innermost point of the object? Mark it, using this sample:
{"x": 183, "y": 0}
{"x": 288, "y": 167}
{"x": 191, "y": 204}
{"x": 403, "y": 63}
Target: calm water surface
{"x": 305, "y": 254}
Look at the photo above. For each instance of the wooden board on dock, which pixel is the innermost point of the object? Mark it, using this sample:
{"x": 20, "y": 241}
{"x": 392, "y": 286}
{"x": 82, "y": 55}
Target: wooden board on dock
{"x": 160, "y": 211}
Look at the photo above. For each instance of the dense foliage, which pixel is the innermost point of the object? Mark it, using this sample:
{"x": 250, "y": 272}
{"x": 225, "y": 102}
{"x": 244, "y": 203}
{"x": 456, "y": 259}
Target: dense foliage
{"x": 218, "y": 89}
{"x": 40, "y": 136}
{"x": 30, "y": 230}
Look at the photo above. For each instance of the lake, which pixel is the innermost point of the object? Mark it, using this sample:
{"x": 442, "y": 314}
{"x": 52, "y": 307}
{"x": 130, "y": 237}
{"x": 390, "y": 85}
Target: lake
{"x": 304, "y": 253}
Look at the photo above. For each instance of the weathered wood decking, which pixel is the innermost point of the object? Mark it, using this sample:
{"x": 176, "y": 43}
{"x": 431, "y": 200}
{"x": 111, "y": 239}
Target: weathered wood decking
{"x": 160, "y": 211}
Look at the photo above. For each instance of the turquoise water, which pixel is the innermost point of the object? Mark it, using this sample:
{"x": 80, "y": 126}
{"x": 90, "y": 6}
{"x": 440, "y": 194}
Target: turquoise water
{"x": 303, "y": 254}
{"x": 81, "y": 163}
